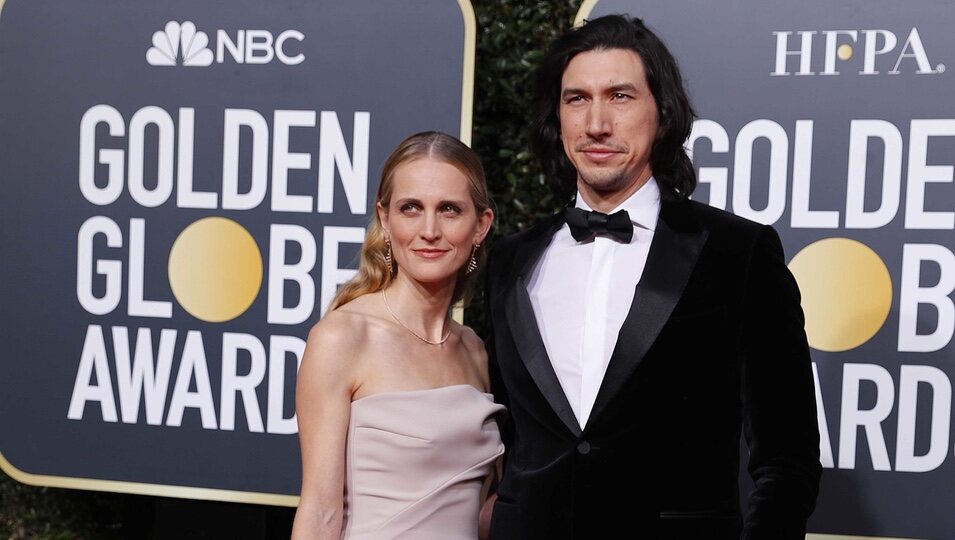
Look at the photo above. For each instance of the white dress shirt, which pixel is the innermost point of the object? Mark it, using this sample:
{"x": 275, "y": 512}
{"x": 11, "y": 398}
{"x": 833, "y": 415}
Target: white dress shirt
{"x": 581, "y": 294}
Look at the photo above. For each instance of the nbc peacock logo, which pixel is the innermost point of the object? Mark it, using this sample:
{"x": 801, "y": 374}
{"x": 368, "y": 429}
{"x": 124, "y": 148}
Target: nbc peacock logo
{"x": 179, "y": 43}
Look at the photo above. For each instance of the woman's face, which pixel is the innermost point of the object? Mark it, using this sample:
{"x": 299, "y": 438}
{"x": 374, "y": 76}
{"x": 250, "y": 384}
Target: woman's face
{"x": 432, "y": 221}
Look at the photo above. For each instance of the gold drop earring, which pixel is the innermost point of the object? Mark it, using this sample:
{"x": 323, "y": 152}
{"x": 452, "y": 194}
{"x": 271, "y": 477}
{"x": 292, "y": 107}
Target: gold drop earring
{"x": 472, "y": 264}
{"x": 391, "y": 269}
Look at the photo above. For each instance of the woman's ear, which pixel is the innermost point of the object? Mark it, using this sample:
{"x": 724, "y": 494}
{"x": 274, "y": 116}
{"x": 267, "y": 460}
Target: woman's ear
{"x": 485, "y": 219}
{"x": 383, "y": 218}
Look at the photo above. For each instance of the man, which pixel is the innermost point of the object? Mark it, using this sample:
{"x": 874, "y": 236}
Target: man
{"x": 631, "y": 350}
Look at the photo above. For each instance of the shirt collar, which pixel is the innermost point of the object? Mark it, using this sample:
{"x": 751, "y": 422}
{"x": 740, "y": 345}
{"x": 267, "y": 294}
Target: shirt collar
{"x": 643, "y": 206}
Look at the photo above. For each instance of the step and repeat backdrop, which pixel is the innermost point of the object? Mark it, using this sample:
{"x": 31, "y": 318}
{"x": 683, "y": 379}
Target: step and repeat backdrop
{"x": 835, "y": 123}
{"x": 183, "y": 184}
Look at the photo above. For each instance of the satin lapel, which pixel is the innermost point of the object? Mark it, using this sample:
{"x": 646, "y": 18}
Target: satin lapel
{"x": 677, "y": 243}
{"x": 526, "y": 334}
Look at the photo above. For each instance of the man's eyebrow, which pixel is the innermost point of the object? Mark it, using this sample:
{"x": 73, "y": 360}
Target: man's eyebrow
{"x": 622, "y": 87}
{"x": 572, "y": 91}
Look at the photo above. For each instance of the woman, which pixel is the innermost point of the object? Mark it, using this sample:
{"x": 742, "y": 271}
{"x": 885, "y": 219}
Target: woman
{"x": 395, "y": 422}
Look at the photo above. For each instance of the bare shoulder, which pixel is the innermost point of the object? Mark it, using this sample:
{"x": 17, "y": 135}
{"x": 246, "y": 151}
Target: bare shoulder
{"x": 349, "y": 326}
{"x": 476, "y": 352}
{"x": 337, "y": 330}
{"x": 335, "y": 345}
{"x": 471, "y": 340}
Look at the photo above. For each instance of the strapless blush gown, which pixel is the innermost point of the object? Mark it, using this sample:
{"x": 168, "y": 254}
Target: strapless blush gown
{"x": 416, "y": 462}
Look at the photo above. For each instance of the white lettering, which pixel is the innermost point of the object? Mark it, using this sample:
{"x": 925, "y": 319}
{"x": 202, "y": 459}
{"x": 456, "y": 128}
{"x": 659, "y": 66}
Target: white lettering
{"x": 233, "y": 383}
{"x": 921, "y": 173}
{"x": 871, "y": 419}
{"x": 825, "y": 444}
{"x": 832, "y": 42}
{"x": 804, "y": 53}
{"x": 258, "y": 41}
{"x": 332, "y": 275}
{"x": 914, "y": 44}
{"x": 93, "y": 360}
{"x": 913, "y": 295}
{"x": 909, "y": 379}
{"x": 192, "y": 366}
{"x": 133, "y": 381}
{"x": 235, "y": 120}
{"x": 872, "y": 50}
{"x": 283, "y": 160}
{"x": 802, "y": 216}
{"x": 137, "y": 136}
{"x": 332, "y": 154}
{"x": 186, "y": 197}
{"x": 112, "y": 158}
{"x": 716, "y": 177}
{"x": 860, "y": 131}
{"x": 138, "y": 305}
{"x": 742, "y": 174}
{"x": 280, "y": 272}
{"x": 112, "y": 270}
{"x": 236, "y": 48}
{"x": 280, "y": 47}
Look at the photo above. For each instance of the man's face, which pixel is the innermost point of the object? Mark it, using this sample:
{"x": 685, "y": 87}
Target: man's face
{"x": 608, "y": 121}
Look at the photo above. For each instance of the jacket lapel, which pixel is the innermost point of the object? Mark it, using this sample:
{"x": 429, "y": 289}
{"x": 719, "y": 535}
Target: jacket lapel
{"x": 523, "y": 323}
{"x": 677, "y": 243}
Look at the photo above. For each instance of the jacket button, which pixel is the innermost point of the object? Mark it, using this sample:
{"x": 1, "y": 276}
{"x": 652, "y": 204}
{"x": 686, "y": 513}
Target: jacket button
{"x": 583, "y": 447}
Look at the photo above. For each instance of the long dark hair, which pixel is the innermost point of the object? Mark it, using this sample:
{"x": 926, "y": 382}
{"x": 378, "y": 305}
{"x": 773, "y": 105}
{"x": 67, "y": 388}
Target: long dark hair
{"x": 671, "y": 166}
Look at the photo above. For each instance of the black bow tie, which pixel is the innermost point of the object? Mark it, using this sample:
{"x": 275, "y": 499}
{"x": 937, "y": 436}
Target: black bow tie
{"x": 584, "y": 224}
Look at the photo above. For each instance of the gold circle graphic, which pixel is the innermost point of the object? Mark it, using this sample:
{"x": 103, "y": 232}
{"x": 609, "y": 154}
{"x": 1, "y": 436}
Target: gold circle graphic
{"x": 846, "y": 292}
{"x": 844, "y": 52}
{"x": 215, "y": 269}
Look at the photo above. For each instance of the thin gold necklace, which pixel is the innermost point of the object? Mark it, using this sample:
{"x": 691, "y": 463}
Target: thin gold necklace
{"x": 413, "y": 333}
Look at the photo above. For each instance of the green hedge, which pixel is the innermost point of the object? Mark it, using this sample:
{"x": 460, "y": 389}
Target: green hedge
{"x": 512, "y": 38}
{"x": 512, "y": 35}
{"x": 57, "y": 514}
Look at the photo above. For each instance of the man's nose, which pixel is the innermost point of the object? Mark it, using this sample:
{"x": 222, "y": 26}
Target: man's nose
{"x": 599, "y": 124}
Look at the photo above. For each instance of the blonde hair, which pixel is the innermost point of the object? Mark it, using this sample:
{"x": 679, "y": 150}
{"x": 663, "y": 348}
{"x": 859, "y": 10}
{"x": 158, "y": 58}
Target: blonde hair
{"x": 373, "y": 274}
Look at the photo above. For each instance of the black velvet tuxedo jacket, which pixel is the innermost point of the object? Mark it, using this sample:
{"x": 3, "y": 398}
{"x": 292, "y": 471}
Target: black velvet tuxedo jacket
{"x": 713, "y": 345}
